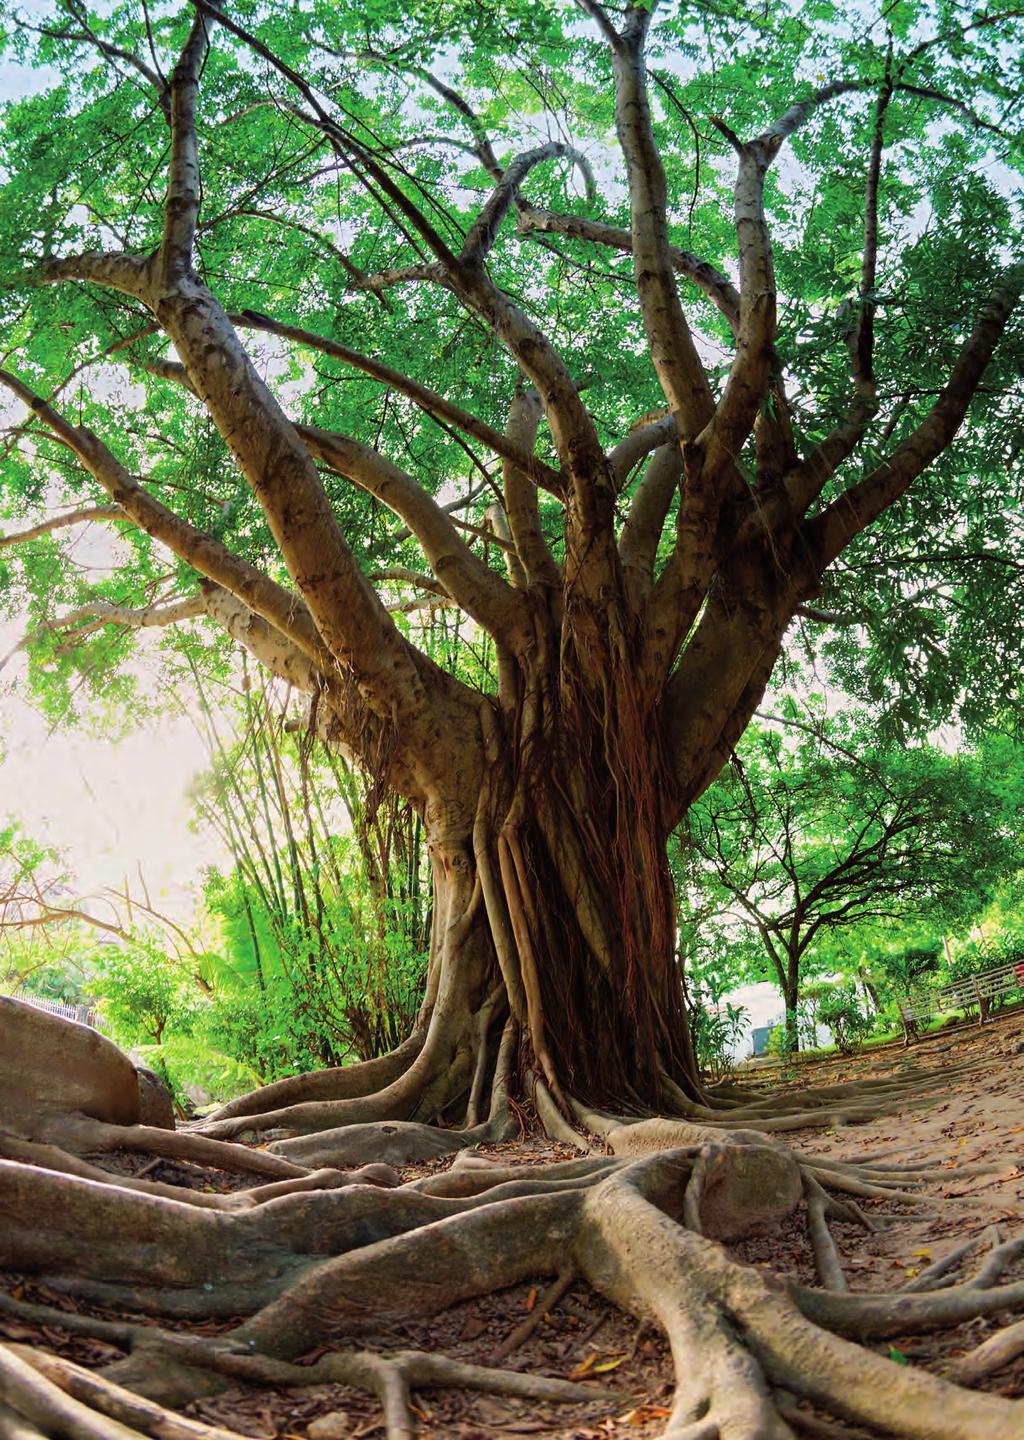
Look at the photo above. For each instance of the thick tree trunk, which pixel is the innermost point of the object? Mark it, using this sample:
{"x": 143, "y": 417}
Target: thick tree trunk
{"x": 562, "y": 894}
{"x": 553, "y": 918}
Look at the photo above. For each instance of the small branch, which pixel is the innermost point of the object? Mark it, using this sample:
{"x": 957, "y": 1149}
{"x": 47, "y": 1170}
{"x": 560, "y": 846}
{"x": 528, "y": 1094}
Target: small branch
{"x": 525, "y": 1328}
{"x": 184, "y": 191}
{"x": 117, "y": 270}
{"x": 87, "y": 36}
{"x": 59, "y": 522}
{"x": 428, "y": 400}
{"x": 857, "y": 507}
{"x": 991, "y": 1354}
{"x": 281, "y": 607}
{"x": 717, "y": 286}
{"x": 484, "y": 230}
{"x": 465, "y": 577}
{"x": 826, "y": 1254}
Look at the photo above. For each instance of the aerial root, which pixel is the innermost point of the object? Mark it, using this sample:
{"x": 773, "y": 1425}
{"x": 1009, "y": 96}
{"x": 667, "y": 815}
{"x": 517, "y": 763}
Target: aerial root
{"x": 419, "y": 1090}
{"x": 386, "y": 1257}
{"x": 471, "y": 1174}
{"x": 732, "y": 1329}
{"x": 807, "y": 1424}
{"x": 418, "y": 1273}
{"x": 542, "y": 1307}
{"x": 83, "y": 1136}
{"x": 996, "y": 1263}
{"x": 180, "y": 1145}
{"x": 349, "y": 1082}
{"x": 875, "y": 1316}
{"x": 868, "y": 1190}
{"x": 991, "y": 1354}
{"x": 114, "y": 1332}
{"x": 937, "y": 1274}
{"x": 52, "y": 1157}
{"x": 695, "y": 1189}
{"x": 15, "y": 1427}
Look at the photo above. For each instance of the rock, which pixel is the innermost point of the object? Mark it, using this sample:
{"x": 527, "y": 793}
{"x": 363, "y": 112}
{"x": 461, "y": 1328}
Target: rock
{"x": 156, "y": 1104}
{"x": 748, "y": 1190}
{"x": 335, "y": 1426}
{"x": 56, "y": 1066}
{"x": 396, "y": 1142}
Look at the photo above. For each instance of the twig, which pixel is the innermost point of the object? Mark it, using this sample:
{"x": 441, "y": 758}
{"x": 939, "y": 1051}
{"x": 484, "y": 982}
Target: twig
{"x": 525, "y": 1328}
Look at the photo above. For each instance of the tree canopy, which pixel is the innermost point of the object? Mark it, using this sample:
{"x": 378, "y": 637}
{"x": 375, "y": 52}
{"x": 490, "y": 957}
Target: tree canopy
{"x": 891, "y": 211}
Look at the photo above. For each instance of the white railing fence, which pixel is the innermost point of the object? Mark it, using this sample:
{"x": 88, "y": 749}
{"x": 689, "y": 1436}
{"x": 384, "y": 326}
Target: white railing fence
{"x": 84, "y": 1014}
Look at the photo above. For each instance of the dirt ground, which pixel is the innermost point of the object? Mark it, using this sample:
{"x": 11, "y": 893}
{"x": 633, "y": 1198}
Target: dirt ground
{"x": 979, "y": 1117}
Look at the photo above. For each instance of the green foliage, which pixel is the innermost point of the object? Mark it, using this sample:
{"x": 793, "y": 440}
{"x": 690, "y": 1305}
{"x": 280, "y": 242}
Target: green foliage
{"x": 841, "y": 1012}
{"x": 142, "y": 992}
{"x": 715, "y": 1029}
{"x": 818, "y": 833}
{"x": 928, "y": 599}
{"x": 323, "y": 914}
{"x": 781, "y": 1041}
{"x": 193, "y": 1063}
{"x": 323, "y": 934}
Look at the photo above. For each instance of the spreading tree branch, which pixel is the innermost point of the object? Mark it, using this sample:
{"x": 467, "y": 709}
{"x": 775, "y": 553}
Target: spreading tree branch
{"x": 521, "y": 496}
{"x": 427, "y": 399}
{"x": 208, "y": 556}
{"x": 672, "y": 348}
{"x": 484, "y": 229}
{"x": 184, "y": 190}
{"x": 857, "y": 507}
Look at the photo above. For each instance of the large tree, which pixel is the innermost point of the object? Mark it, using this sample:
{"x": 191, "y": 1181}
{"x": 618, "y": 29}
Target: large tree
{"x": 666, "y": 453}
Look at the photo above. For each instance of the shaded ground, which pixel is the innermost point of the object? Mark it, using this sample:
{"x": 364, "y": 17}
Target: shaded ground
{"x": 979, "y": 1119}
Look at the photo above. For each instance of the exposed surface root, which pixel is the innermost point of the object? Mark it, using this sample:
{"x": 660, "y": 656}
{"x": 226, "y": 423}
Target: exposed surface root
{"x": 392, "y": 1378}
{"x": 302, "y": 1260}
{"x": 69, "y": 1403}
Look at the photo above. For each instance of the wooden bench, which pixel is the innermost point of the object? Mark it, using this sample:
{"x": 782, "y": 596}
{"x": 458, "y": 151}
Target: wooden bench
{"x": 979, "y": 988}
{"x": 919, "y": 1005}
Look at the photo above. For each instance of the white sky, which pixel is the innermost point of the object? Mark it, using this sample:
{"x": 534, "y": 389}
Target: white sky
{"x": 110, "y": 807}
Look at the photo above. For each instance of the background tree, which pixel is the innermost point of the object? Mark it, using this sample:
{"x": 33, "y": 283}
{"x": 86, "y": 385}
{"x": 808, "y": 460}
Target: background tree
{"x": 814, "y": 829}
{"x": 324, "y": 907}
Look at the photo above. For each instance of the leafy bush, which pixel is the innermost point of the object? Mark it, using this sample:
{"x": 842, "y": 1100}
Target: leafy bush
{"x": 715, "y": 1033}
{"x": 188, "y": 1063}
{"x": 143, "y": 992}
{"x": 842, "y": 1014}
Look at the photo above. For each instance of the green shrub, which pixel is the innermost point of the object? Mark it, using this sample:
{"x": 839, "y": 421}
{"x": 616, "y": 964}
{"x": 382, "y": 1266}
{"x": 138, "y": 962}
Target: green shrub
{"x": 842, "y": 1014}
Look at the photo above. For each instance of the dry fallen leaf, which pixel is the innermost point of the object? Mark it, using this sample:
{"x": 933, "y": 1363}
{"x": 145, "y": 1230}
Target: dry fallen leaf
{"x": 584, "y": 1367}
